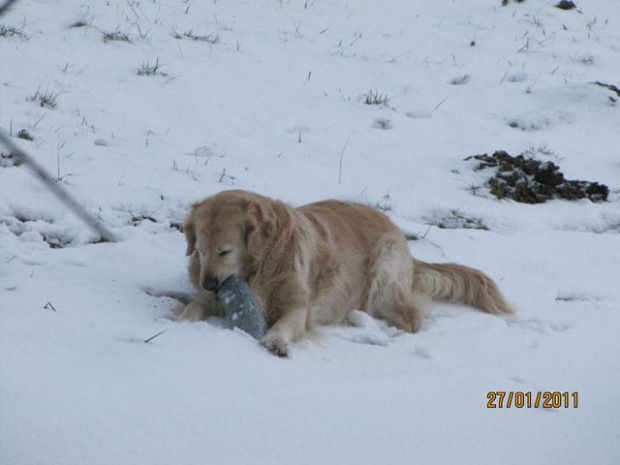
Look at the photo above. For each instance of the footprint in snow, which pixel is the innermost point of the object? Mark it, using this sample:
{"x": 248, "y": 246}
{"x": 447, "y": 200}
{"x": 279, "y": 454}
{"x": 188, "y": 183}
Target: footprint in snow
{"x": 540, "y": 326}
{"x": 423, "y": 352}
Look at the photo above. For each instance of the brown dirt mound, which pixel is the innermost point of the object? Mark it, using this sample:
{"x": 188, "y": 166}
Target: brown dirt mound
{"x": 528, "y": 180}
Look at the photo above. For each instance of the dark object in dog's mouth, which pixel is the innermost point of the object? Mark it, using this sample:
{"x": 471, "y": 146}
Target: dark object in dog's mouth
{"x": 241, "y": 309}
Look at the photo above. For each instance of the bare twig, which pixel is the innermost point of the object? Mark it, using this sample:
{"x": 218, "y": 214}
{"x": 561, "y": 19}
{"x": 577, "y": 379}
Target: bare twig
{"x": 153, "y": 337}
{"x": 341, "y": 157}
{"x": 49, "y": 306}
{"x": 441, "y": 103}
{"x": 6, "y": 6}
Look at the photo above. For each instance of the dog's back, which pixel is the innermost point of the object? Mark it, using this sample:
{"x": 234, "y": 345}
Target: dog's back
{"x": 373, "y": 254}
{"x": 369, "y": 264}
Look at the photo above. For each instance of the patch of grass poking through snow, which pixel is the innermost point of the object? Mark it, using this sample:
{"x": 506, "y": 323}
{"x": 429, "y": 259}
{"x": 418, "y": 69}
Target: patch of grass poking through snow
{"x": 148, "y": 69}
{"x": 85, "y": 19}
{"x": 226, "y": 178}
{"x": 189, "y": 34}
{"x": 374, "y": 97}
{"x": 456, "y": 219}
{"x": 527, "y": 180}
{"x": 385, "y": 204}
{"x": 542, "y": 149}
{"x": 382, "y": 123}
{"x": 19, "y": 224}
{"x": 45, "y": 99}
{"x": 460, "y": 80}
{"x": 566, "y": 5}
{"x": 25, "y": 135}
{"x": 137, "y": 219}
{"x": 79, "y": 23}
{"x": 529, "y": 122}
{"x": 9, "y": 160}
{"x": 411, "y": 236}
{"x": 116, "y": 36}
{"x": 586, "y": 59}
{"x": 12, "y": 32}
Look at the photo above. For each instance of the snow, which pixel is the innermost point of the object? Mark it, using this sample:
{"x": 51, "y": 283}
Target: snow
{"x": 275, "y": 105}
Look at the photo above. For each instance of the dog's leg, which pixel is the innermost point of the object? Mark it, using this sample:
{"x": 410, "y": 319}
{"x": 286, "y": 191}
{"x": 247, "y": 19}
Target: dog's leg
{"x": 390, "y": 293}
{"x": 200, "y": 309}
{"x": 291, "y": 304}
{"x": 406, "y": 316}
{"x": 288, "y": 328}
{"x": 193, "y": 311}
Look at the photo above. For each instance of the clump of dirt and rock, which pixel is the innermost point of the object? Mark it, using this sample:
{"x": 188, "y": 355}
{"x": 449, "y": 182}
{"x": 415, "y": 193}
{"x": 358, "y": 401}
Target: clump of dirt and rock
{"x": 528, "y": 180}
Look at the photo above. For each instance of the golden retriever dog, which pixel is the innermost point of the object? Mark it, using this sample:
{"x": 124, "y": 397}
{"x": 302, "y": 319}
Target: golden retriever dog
{"x": 311, "y": 265}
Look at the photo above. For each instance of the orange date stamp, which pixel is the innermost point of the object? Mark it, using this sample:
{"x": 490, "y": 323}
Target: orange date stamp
{"x": 528, "y": 399}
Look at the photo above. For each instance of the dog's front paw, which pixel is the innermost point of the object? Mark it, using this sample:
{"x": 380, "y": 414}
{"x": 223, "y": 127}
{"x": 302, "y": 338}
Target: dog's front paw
{"x": 275, "y": 344}
{"x": 194, "y": 311}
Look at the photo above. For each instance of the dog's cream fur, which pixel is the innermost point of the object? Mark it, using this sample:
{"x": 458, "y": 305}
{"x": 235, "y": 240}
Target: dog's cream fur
{"x": 313, "y": 264}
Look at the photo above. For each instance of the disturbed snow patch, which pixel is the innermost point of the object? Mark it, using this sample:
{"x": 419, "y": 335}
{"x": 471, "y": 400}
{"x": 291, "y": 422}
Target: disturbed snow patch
{"x": 454, "y": 219}
{"x": 364, "y": 329}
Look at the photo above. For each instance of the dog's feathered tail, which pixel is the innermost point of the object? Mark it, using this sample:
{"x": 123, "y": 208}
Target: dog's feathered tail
{"x": 458, "y": 284}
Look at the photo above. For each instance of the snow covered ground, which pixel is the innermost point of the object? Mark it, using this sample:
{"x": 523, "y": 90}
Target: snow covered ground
{"x": 139, "y": 108}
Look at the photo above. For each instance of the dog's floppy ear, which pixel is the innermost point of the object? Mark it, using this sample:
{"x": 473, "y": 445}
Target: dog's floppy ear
{"x": 190, "y": 234}
{"x": 261, "y": 226}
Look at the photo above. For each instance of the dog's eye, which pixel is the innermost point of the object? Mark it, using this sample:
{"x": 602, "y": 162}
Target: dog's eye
{"x": 223, "y": 253}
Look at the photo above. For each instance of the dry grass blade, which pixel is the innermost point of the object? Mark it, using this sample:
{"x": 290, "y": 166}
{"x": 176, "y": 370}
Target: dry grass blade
{"x": 153, "y": 337}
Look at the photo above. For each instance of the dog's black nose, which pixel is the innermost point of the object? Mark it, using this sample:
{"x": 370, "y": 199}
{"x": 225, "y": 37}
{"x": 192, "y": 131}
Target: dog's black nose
{"x": 209, "y": 284}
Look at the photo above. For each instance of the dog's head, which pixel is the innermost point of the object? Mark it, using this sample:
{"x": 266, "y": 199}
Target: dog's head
{"x": 229, "y": 232}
